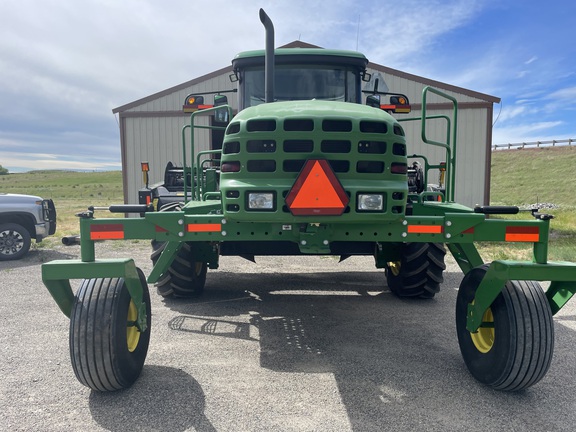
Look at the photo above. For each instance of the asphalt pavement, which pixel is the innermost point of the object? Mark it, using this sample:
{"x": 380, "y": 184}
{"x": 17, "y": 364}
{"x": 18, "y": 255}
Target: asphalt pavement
{"x": 286, "y": 344}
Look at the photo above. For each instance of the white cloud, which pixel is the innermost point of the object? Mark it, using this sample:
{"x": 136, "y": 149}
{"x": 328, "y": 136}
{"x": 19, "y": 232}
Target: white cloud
{"x": 512, "y": 112}
{"x": 531, "y": 132}
{"x": 42, "y": 161}
{"x": 411, "y": 27}
{"x": 568, "y": 94}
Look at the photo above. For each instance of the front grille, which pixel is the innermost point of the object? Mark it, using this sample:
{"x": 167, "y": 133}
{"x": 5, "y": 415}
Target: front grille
{"x": 272, "y": 152}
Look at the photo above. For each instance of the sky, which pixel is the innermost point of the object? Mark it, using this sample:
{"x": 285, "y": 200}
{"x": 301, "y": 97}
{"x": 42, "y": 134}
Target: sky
{"x": 66, "y": 64}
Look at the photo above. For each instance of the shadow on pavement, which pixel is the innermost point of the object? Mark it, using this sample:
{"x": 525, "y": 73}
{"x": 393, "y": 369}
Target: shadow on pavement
{"x": 396, "y": 361}
{"x": 163, "y": 398}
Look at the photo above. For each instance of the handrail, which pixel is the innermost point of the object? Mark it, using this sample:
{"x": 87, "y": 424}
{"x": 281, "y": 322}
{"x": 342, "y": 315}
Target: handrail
{"x": 449, "y": 145}
{"x": 192, "y": 126}
{"x": 451, "y": 163}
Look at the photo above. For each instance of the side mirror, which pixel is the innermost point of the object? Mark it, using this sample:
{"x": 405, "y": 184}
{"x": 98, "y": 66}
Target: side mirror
{"x": 373, "y": 101}
{"x": 220, "y": 100}
{"x": 221, "y": 115}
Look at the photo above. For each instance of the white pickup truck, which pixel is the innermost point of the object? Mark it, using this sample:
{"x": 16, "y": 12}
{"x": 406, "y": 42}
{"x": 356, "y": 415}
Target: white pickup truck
{"x": 23, "y": 218}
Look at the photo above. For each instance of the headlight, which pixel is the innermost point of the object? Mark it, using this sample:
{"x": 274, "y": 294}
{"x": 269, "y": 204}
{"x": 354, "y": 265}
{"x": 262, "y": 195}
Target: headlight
{"x": 370, "y": 202}
{"x": 261, "y": 201}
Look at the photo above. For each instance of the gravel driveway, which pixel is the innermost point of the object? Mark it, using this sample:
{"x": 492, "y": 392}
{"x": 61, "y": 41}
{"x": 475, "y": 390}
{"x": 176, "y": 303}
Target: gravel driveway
{"x": 287, "y": 344}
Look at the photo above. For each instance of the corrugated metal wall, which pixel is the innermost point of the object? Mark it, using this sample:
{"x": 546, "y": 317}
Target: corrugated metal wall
{"x": 470, "y": 151}
{"x": 152, "y": 132}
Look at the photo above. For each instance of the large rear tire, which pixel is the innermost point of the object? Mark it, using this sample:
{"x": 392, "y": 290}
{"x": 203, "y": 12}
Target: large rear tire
{"x": 513, "y": 349}
{"x": 106, "y": 349}
{"x": 185, "y": 276}
{"x": 419, "y": 271}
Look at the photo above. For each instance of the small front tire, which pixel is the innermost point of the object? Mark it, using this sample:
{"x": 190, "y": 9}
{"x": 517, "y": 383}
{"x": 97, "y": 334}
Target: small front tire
{"x": 513, "y": 349}
{"x": 106, "y": 349}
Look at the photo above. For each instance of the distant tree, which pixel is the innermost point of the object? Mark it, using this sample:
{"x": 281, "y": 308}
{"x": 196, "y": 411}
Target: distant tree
{"x": 3, "y": 171}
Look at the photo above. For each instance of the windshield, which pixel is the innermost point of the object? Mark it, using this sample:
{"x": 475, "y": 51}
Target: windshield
{"x": 296, "y": 82}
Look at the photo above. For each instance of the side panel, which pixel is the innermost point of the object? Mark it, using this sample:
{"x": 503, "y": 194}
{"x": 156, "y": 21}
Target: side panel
{"x": 156, "y": 140}
{"x": 471, "y": 169}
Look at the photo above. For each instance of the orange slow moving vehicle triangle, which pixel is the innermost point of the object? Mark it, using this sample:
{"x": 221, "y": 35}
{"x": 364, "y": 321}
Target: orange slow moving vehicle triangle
{"x": 317, "y": 191}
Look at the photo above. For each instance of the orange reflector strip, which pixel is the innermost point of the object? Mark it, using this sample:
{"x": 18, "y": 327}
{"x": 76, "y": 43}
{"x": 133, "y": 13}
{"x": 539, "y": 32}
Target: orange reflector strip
{"x": 396, "y": 108}
{"x": 194, "y": 108}
{"x": 317, "y": 191}
{"x": 425, "y": 229}
{"x": 522, "y": 234}
{"x": 107, "y": 232}
{"x": 204, "y": 227}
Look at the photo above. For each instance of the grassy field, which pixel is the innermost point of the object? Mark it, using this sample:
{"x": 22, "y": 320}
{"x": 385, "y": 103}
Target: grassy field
{"x": 72, "y": 193}
{"x": 531, "y": 176}
{"x": 519, "y": 177}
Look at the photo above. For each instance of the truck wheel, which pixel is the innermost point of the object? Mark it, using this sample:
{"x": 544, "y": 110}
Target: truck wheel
{"x": 14, "y": 241}
{"x": 514, "y": 349}
{"x": 106, "y": 348}
{"x": 419, "y": 272}
{"x": 185, "y": 277}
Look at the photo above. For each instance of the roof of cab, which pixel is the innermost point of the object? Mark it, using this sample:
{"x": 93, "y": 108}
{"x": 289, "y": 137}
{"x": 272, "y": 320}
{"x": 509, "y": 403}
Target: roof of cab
{"x": 302, "y": 55}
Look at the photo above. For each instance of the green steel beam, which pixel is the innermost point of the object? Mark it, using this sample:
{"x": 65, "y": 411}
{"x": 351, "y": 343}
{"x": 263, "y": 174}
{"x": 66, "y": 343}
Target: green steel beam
{"x": 164, "y": 261}
{"x": 466, "y": 255}
{"x": 56, "y": 276}
{"x": 559, "y": 293}
{"x": 452, "y": 227}
{"x": 562, "y": 275}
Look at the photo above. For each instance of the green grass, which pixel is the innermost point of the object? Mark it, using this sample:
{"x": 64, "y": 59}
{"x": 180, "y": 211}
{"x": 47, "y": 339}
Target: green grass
{"x": 530, "y": 176}
{"x": 519, "y": 177}
{"x": 72, "y": 193}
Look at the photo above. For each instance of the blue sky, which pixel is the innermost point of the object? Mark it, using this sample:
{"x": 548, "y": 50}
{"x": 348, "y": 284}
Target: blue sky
{"x": 64, "y": 65}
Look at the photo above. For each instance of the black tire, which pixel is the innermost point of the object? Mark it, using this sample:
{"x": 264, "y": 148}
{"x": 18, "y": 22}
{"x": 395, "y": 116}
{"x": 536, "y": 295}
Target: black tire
{"x": 107, "y": 352}
{"x": 419, "y": 272}
{"x": 15, "y": 241}
{"x": 185, "y": 276}
{"x": 515, "y": 352}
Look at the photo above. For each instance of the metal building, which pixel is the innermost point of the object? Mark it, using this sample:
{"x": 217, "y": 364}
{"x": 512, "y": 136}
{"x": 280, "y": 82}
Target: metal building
{"x": 150, "y": 128}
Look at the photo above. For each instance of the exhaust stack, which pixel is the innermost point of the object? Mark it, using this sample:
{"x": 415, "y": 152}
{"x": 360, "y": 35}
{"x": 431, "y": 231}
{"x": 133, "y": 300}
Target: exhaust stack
{"x": 268, "y": 57}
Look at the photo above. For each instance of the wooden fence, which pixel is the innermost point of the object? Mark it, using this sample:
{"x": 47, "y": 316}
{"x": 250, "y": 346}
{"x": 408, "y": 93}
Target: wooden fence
{"x": 536, "y": 144}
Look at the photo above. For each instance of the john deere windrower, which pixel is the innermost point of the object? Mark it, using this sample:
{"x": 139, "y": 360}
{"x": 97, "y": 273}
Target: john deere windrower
{"x": 304, "y": 168}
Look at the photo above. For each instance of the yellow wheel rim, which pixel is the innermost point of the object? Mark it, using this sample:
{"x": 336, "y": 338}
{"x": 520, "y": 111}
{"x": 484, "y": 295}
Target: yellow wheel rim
{"x": 394, "y": 267}
{"x": 483, "y": 339}
{"x": 132, "y": 333}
